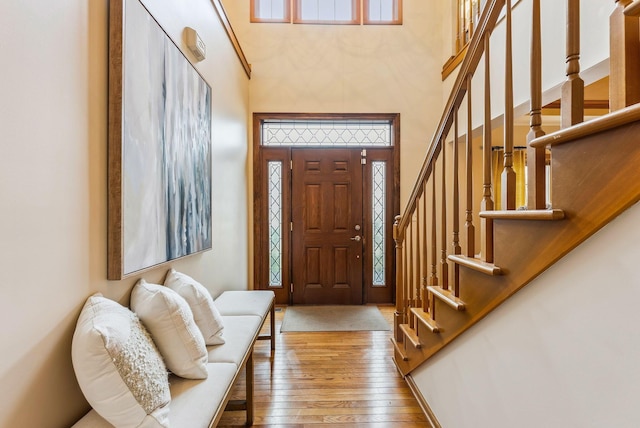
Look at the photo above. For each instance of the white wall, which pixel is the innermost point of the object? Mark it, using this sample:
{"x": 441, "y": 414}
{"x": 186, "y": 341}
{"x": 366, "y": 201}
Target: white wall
{"x": 53, "y": 166}
{"x": 562, "y": 353}
{"x": 352, "y": 69}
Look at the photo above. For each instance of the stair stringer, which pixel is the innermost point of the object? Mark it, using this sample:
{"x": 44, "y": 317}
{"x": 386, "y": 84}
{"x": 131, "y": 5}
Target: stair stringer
{"x": 595, "y": 178}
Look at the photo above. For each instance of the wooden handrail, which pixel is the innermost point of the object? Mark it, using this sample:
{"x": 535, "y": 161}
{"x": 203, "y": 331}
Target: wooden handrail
{"x": 487, "y": 22}
{"x": 599, "y": 124}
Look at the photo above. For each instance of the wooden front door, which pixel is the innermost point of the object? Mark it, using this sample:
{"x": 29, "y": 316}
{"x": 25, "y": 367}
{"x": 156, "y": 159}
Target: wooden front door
{"x": 327, "y": 221}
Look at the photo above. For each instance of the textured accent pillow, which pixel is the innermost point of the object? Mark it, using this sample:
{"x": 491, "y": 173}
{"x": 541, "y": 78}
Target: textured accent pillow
{"x": 118, "y": 367}
{"x": 205, "y": 313}
{"x": 169, "y": 319}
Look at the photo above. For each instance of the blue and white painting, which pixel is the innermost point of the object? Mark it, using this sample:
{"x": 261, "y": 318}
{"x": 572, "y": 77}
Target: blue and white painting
{"x": 166, "y": 147}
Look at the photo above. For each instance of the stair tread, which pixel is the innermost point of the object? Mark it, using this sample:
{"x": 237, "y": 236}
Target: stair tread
{"x": 399, "y": 350}
{"x": 411, "y": 335}
{"x": 549, "y": 215}
{"x": 476, "y": 264}
{"x": 425, "y": 318}
{"x": 447, "y": 297}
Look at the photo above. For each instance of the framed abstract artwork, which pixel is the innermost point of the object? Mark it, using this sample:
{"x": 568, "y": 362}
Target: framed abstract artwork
{"x": 159, "y": 155}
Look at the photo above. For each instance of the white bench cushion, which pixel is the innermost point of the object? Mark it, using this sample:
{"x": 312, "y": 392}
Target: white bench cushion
{"x": 250, "y": 302}
{"x": 239, "y": 333}
{"x": 190, "y": 399}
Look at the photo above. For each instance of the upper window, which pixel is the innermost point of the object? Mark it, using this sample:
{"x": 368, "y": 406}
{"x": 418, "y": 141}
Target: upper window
{"x": 327, "y": 11}
{"x": 270, "y": 11}
{"x": 382, "y": 12}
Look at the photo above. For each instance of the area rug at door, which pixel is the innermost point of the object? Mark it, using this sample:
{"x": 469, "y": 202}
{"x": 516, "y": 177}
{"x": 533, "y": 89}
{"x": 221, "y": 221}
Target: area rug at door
{"x": 333, "y": 318}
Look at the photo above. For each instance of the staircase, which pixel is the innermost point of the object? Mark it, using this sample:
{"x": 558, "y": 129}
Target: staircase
{"x": 454, "y": 265}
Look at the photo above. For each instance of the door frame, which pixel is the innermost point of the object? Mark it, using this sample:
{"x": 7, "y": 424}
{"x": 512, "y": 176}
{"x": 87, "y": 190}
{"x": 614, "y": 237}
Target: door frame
{"x": 263, "y": 154}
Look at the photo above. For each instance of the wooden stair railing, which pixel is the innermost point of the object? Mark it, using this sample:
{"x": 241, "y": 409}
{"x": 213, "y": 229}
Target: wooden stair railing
{"x": 448, "y": 277}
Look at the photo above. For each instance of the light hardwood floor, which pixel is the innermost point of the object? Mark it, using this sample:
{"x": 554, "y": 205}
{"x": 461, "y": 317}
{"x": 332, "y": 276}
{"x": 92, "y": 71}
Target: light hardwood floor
{"x": 337, "y": 379}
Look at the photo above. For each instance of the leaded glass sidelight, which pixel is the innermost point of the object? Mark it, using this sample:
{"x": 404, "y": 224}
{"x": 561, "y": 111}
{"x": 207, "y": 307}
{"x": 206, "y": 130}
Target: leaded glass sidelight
{"x": 274, "y": 169}
{"x": 378, "y": 197}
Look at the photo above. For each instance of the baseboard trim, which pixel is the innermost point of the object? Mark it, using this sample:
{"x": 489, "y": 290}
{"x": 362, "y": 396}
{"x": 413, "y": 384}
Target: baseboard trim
{"x": 431, "y": 417}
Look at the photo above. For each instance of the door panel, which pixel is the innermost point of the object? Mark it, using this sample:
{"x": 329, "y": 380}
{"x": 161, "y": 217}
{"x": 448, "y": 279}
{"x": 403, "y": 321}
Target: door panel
{"x": 326, "y": 207}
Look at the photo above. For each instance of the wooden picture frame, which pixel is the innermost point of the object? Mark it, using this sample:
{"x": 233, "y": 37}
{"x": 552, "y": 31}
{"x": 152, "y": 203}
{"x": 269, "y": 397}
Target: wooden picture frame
{"x": 159, "y": 147}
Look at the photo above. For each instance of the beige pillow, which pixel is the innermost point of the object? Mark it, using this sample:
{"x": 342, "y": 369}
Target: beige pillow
{"x": 168, "y": 318}
{"x": 205, "y": 313}
{"x": 118, "y": 367}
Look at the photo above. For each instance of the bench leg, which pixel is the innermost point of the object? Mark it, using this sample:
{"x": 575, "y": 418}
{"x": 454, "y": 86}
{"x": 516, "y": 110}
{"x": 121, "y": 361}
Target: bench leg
{"x": 249, "y": 386}
{"x": 246, "y": 404}
{"x": 273, "y": 325}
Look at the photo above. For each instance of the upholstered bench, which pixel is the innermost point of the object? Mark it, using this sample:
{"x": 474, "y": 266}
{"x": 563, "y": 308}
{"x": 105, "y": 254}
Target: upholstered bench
{"x": 198, "y": 403}
{"x": 255, "y": 302}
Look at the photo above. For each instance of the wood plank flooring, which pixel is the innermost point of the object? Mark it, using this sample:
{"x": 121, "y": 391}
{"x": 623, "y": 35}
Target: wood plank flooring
{"x": 337, "y": 379}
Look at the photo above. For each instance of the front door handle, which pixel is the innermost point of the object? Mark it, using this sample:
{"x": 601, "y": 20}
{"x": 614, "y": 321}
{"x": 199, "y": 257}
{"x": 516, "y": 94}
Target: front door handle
{"x": 356, "y": 238}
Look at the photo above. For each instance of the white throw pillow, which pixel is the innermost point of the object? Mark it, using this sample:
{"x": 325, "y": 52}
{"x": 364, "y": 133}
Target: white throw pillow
{"x": 168, "y": 318}
{"x": 118, "y": 367}
{"x": 205, "y": 313}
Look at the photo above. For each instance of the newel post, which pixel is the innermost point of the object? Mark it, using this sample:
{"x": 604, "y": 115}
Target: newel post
{"x": 399, "y": 316}
{"x": 624, "y": 63}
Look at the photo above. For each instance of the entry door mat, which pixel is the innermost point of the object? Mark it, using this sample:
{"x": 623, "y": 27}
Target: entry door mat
{"x": 333, "y": 318}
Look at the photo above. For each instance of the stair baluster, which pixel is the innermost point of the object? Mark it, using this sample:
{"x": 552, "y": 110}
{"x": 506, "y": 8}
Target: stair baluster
{"x": 456, "y": 249}
{"x": 508, "y": 197}
{"x": 433, "y": 279}
{"x": 444, "y": 266}
{"x": 469, "y": 227}
{"x": 486, "y": 224}
{"x": 407, "y": 269}
{"x": 418, "y": 258}
{"x": 536, "y": 157}
{"x": 425, "y": 255}
{"x": 572, "y": 103}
